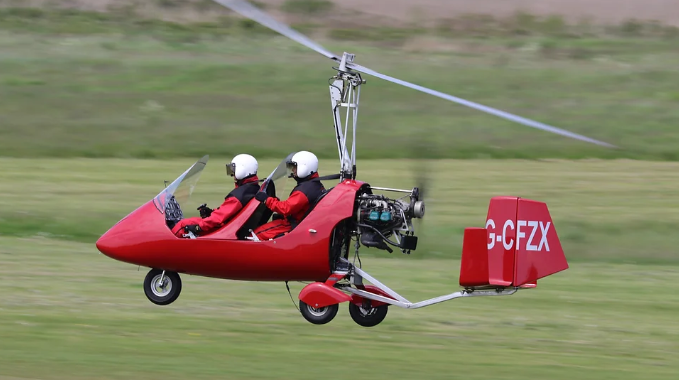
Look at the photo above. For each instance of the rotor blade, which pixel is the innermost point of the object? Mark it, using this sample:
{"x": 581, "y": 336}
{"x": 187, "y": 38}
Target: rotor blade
{"x": 248, "y": 10}
{"x": 480, "y": 107}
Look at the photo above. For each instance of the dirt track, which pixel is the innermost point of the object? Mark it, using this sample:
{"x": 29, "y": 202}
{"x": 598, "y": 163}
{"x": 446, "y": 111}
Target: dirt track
{"x": 607, "y": 11}
{"x": 601, "y": 10}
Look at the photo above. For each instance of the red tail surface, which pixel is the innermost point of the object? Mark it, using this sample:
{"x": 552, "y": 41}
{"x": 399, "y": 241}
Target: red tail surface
{"x": 518, "y": 246}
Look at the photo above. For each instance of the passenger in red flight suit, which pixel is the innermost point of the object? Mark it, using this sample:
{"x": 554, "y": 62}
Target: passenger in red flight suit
{"x": 304, "y": 166}
{"x": 243, "y": 168}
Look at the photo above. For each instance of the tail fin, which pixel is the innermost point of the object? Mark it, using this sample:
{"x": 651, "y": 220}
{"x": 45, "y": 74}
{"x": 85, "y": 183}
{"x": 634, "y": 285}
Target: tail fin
{"x": 518, "y": 246}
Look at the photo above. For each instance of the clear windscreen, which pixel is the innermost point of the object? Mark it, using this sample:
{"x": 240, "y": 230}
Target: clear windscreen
{"x": 179, "y": 191}
{"x": 279, "y": 178}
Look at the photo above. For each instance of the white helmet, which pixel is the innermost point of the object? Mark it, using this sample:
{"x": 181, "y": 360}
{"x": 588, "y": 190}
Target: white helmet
{"x": 306, "y": 162}
{"x": 242, "y": 166}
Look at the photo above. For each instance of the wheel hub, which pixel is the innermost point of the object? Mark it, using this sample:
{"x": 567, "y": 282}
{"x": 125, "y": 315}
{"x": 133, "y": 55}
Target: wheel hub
{"x": 367, "y": 311}
{"x": 161, "y": 289}
{"x": 317, "y": 312}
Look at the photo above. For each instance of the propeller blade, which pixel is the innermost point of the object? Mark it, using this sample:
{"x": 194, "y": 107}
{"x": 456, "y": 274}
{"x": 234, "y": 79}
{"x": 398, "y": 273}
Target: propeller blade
{"x": 250, "y": 11}
{"x": 422, "y": 180}
{"x": 480, "y": 107}
{"x": 419, "y": 144}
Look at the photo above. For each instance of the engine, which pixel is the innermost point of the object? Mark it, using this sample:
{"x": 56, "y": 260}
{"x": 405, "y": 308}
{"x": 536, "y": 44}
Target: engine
{"x": 382, "y": 221}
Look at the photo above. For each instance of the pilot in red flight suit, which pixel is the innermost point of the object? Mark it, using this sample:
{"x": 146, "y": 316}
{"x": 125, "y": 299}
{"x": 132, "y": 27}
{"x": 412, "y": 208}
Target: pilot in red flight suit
{"x": 304, "y": 167}
{"x": 243, "y": 168}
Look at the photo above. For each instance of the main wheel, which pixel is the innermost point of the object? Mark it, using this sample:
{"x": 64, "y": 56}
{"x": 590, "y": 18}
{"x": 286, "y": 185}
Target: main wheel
{"x": 368, "y": 316}
{"x": 318, "y": 316}
{"x": 162, "y": 293}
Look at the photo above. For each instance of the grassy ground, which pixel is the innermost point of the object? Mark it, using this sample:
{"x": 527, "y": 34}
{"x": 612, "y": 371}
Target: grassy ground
{"x": 67, "y": 312}
{"x": 113, "y": 84}
{"x": 613, "y": 211}
{"x": 102, "y": 85}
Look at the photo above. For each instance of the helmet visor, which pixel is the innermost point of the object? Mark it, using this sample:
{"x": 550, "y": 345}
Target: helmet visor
{"x": 288, "y": 162}
{"x": 231, "y": 169}
{"x": 290, "y": 165}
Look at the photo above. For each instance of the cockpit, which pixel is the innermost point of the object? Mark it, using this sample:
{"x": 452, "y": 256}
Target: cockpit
{"x": 174, "y": 199}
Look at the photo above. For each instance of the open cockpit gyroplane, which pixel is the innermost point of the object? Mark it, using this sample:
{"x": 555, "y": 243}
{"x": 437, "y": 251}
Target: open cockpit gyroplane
{"x": 517, "y": 246}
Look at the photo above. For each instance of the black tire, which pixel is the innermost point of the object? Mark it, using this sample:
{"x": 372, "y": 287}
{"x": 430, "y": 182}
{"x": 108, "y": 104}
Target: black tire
{"x": 318, "y": 316}
{"x": 168, "y": 293}
{"x": 368, "y": 317}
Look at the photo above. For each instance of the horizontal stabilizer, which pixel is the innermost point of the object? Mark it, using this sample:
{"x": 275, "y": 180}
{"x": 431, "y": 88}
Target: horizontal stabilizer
{"x": 474, "y": 266}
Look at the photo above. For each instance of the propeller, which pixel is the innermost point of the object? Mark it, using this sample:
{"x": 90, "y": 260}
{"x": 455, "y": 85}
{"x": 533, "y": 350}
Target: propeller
{"x": 248, "y": 10}
{"x": 421, "y": 172}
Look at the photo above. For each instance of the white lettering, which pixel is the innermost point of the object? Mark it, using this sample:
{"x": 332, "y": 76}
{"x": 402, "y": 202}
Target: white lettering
{"x": 491, "y": 243}
{"x": 508, "y": 223}
{"x": 519, "y": 234}
{"x": 543, "y": 241}
{"x": 508, "y": 242}
{"x": 529, "y": 245}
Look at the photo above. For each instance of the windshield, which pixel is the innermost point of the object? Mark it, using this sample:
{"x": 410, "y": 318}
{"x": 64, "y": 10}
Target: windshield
{"x": 277, "y": 181}
{"x": 179, "y": 191}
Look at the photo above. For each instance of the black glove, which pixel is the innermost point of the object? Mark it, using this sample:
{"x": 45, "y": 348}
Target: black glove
{"x": 193, "y": 228}
{"x": 261, "y": 196}
{"x": 204, "y": 211}
{"x": 277, "y": 216}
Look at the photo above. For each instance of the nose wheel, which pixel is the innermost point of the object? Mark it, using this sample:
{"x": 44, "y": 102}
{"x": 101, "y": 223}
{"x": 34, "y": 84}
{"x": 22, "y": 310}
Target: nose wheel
{"x": 162, "y": 287}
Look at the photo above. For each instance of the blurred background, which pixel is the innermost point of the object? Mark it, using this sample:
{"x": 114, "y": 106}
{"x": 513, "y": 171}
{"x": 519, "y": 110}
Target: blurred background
{"x": 102, "y": 100}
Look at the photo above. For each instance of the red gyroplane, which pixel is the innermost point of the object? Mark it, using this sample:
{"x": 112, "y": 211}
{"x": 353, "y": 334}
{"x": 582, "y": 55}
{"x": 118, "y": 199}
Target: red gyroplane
{"x": 517, "y": 246}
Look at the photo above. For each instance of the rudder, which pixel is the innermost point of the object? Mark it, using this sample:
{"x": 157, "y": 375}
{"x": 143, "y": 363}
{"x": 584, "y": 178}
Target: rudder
{"x": 539, "y": 252}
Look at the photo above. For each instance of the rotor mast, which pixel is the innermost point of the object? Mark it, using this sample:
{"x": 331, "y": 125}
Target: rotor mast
{"x": 345, "y": 91}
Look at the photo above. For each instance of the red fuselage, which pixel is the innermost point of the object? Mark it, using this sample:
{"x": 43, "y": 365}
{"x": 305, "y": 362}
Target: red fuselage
{"x": 143, "y": 238}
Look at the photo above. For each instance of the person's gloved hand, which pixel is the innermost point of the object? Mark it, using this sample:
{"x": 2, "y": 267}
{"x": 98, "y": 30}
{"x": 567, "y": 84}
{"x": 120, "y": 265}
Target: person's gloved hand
{"x": 277, "y": 216}
{"x": 261, "y": 196}
{"x": 193, "y": 228}
{"x": 204, "y": 211}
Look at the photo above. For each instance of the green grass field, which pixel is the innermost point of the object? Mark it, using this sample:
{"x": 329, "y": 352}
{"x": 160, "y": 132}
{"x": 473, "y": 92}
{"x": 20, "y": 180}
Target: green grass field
{"x": 97, "y": 85}
{"x": 613, "y": 211}
{"x": 98, "y": 109}
{"x": 69, "y": 312}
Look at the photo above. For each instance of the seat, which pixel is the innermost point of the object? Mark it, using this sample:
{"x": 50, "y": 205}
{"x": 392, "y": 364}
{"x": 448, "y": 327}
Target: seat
{"x": 266, "y": 214}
